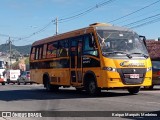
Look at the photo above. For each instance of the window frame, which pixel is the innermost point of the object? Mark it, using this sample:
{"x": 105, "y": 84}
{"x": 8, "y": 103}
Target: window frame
{"x": 95, "y": 48}
{"x": 53, "y": 51}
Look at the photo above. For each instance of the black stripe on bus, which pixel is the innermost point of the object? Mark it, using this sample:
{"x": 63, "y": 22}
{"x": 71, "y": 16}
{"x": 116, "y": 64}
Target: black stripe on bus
{"x": 64, "y": 63}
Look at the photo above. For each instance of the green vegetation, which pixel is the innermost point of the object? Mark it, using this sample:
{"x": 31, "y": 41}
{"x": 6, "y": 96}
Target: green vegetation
{"x": 21, "y": 49}
{"x": 27, "y": 61}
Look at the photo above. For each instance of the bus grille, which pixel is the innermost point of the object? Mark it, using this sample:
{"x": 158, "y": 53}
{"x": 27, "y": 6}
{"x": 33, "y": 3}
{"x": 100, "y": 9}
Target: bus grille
{"x": 126, "y": 73}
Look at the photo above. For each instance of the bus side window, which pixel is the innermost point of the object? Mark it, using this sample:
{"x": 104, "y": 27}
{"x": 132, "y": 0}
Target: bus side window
{"x": 32, "y": 54}
{"x": 44, "y": 50}
{"x": 89, "y": 46}
{"x": 63, "y": 48}
{"x": 40, "y": 53}
{"x": 52, "y": 50}
{"x": 37, "y": 53}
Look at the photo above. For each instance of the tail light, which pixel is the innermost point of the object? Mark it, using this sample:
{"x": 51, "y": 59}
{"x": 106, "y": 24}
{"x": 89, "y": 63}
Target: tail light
{"x": 158, "y": 73}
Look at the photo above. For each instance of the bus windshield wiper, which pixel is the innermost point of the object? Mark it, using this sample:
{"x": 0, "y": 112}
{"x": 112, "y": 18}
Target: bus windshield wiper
{"x": 146, "y": 56}
{"x": 120, "y": 52}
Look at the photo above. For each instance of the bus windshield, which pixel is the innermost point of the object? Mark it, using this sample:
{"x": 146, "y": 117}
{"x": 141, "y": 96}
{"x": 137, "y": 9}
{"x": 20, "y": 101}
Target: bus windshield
{"x": 121, "y": 42}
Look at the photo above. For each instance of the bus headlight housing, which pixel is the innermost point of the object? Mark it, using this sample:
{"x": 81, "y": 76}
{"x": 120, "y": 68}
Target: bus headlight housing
{"x": 149, "y": 69}
{"x": 110, "y": 69}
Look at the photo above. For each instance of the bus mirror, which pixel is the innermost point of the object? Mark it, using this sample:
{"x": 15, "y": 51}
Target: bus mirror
{"x": 143, "y": 39}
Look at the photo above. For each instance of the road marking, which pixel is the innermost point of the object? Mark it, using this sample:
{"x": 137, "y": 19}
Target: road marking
{"x": 154, "y": 91}
{"x": 153, "y": 102}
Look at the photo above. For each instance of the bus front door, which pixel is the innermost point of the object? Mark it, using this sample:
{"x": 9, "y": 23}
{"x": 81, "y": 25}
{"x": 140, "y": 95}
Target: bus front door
{"x": 76, "y": 62}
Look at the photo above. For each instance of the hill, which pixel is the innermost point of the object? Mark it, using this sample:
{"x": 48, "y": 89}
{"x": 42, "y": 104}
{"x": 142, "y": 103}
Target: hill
{"x": 21, "y": 49}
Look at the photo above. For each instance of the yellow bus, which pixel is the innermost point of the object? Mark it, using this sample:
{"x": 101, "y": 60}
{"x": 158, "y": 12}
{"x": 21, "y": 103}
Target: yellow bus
{"x": 94, "y": 58}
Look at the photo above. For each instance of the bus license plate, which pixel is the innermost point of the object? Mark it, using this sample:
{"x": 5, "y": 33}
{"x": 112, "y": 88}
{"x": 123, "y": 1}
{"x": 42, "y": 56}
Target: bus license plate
{"x": 134, "y": 75}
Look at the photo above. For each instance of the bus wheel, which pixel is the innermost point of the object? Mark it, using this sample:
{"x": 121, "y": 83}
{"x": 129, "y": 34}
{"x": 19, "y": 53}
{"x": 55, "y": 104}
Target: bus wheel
{"x": 133, "y": 90}
{"x": 92, "y": 88}
{"x": 18, "y": 83}
{"x": 3, "y": 83}
{"x": 48, "y": 86}
{"x": 8, "y": 81}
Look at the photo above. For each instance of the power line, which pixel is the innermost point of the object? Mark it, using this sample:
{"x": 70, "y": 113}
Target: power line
{"x": 140, "y": 15}
{"x": 79, "y": 15}
{"x": 146, "y": 23}
{"x": 134, "y": 11}
{"x": 65, "y": 19}
{"x": 86, "y": 11}
{"x": 56, "y": 21}
{"x": 144, "y": 19}
{"x": 40, "y": 30}
{"x": 5, "y": 35}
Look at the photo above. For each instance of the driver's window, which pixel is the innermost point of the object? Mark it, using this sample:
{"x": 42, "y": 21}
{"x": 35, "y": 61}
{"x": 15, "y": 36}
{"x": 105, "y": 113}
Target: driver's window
{"x": 87, "y": 47}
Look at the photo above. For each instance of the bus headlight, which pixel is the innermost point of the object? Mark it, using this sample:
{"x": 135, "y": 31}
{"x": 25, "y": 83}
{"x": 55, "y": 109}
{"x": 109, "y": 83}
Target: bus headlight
{"x": 149, "y": 69}
{"x": 110, "y": 69}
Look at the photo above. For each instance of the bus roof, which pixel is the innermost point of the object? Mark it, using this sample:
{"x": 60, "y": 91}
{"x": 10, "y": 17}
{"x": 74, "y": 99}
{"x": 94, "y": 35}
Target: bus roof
{"x": 94, "y": 26}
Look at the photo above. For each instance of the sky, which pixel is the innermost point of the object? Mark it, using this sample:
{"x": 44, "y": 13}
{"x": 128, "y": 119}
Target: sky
{"x": 26, "y": 21}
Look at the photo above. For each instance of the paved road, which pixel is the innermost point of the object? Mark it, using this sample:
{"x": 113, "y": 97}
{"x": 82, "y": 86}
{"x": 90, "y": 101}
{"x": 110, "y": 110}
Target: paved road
{"x": 35, "y": 98}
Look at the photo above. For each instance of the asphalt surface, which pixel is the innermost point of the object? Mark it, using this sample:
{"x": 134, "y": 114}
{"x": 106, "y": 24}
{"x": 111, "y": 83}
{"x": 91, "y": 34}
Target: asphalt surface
{"x": 34, "y": 98}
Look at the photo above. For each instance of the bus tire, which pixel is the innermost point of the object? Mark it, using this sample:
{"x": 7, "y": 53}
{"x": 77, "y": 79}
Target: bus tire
{"x": 49, "y": 87}
{"x": 90, "y": 84}
{"x": 3, "y": 83}
{"x": 151, "y": 87}
{"x": 46, "y": 82}
{"x": 18, "y": 83}
{"x": 134, "y": 90}
{"x": 92, "y": 88}
{"x": 8, "y": 81}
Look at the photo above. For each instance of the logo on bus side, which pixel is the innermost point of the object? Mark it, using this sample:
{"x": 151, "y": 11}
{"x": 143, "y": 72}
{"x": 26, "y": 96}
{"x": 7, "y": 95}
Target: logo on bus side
{"x": 128, "y": 64}
{"x": 86, "y": 60}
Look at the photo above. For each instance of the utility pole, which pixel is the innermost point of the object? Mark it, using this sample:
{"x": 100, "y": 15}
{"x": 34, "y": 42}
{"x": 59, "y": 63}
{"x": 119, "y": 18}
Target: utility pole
{"x": 56, "y": 26}
{"x": 9, "y": 42}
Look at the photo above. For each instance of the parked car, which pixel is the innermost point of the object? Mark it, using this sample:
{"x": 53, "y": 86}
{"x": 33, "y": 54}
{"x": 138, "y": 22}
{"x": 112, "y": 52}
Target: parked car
{"x": 155, "y": 74}
{"x": 2, "y": 76}
{"x": 24, "y": 78}
{"x": 2, "y": 80}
